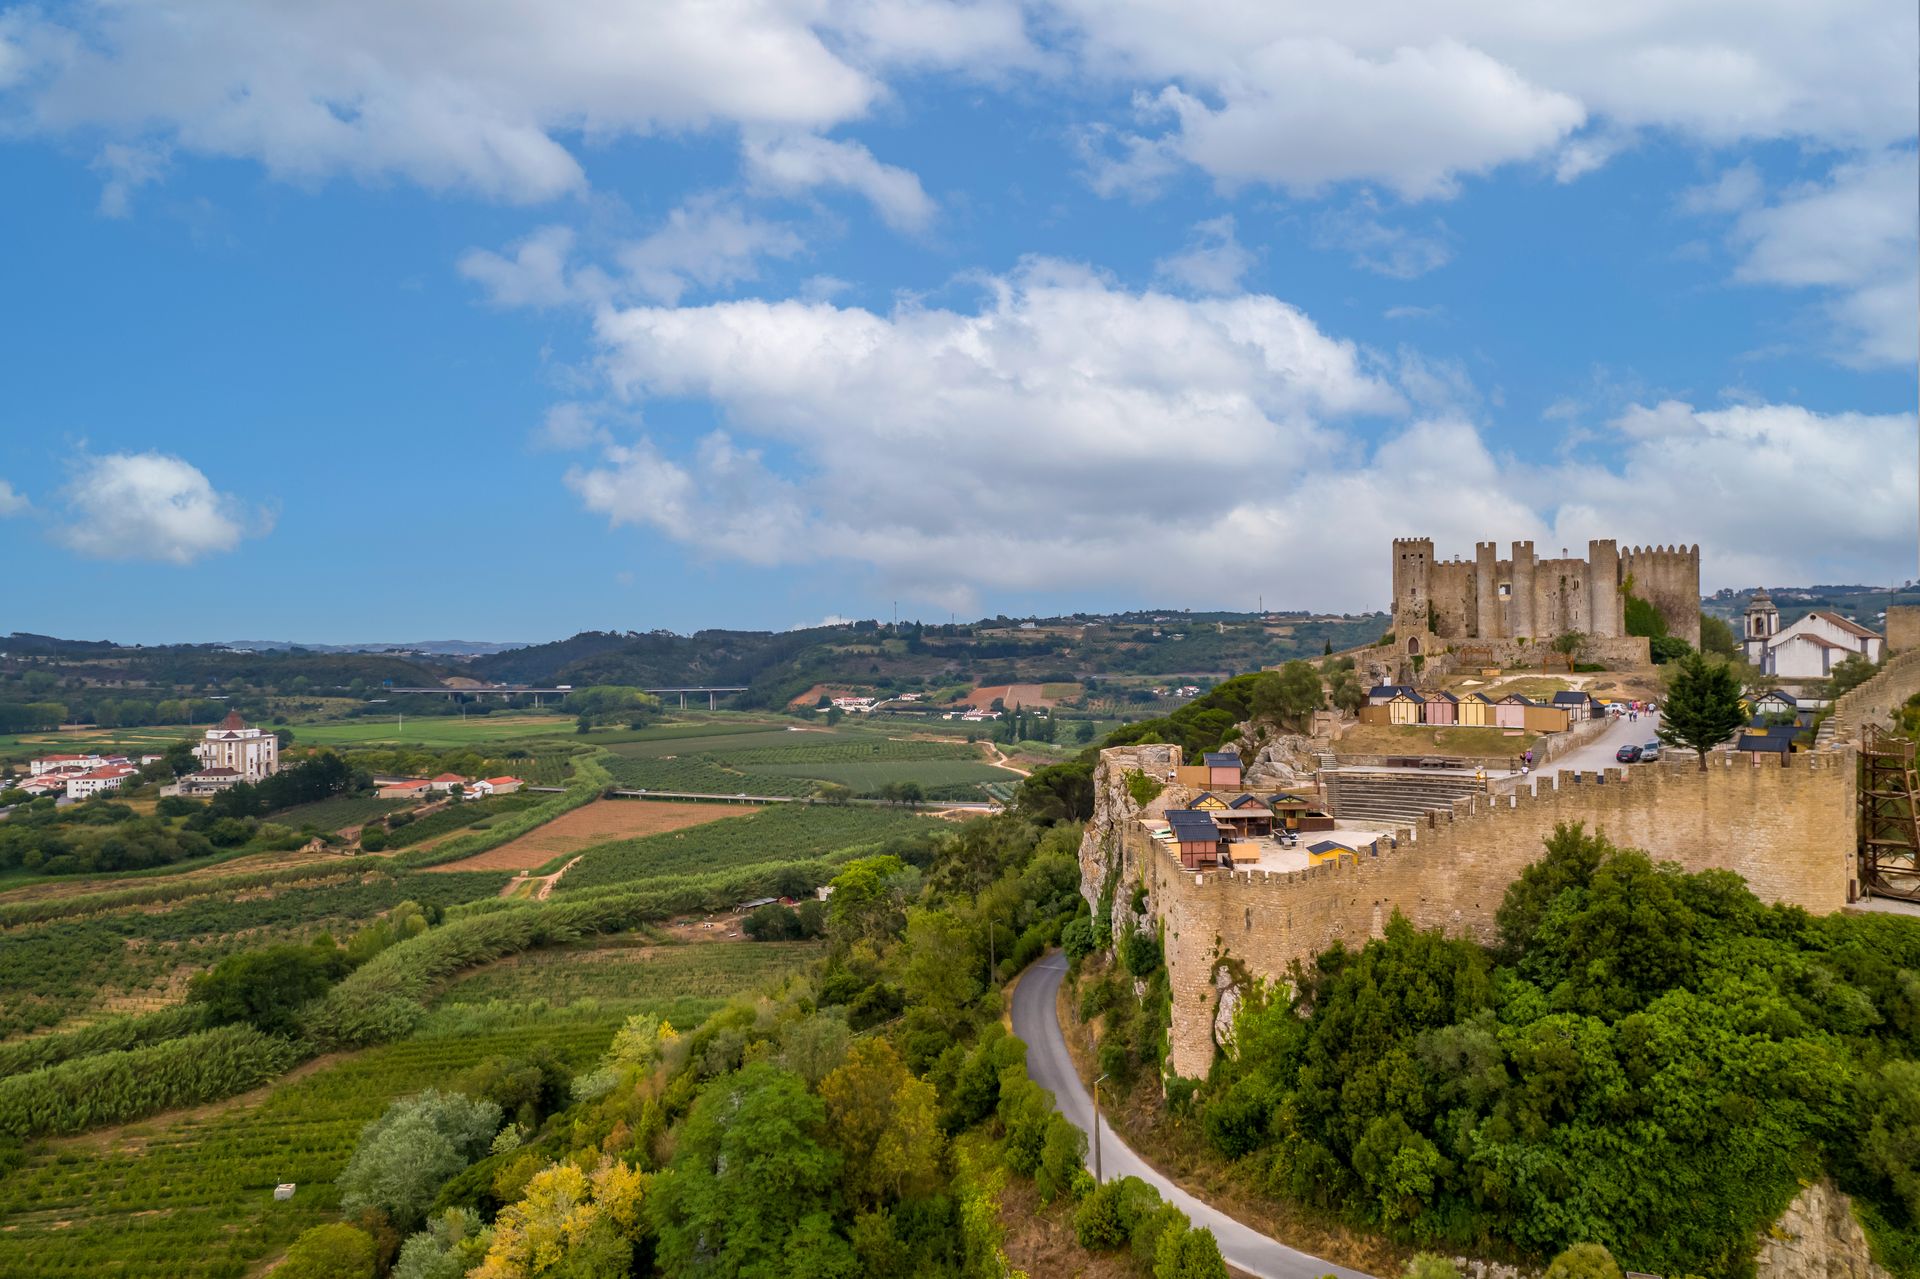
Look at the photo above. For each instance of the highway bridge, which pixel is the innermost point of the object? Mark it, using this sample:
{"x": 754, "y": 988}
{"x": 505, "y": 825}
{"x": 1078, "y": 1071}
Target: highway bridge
{"x": 712, "y": 692}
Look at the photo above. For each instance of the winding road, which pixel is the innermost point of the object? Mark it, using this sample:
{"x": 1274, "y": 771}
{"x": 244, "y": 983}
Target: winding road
{"x": 1036, "y": 1021}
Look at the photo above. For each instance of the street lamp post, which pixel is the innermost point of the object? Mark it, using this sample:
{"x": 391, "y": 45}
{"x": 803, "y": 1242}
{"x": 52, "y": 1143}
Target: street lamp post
{"x": 1096, "y": 1128}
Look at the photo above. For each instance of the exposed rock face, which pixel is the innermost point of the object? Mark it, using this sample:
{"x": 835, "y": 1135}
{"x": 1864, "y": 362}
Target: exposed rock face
{"x": 1284, "y": 762}
{"x": 1817, "y": 1238}
{"x": 1104, "y": 860}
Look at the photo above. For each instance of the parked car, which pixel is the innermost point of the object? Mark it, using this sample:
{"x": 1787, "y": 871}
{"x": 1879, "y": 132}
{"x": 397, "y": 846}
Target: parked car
{"x": 1649, "y": 752}
{"x": 1628, "y": 754}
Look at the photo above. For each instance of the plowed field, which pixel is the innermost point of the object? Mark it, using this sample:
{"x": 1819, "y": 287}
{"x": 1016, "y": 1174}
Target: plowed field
{"x": 597, "y": 823}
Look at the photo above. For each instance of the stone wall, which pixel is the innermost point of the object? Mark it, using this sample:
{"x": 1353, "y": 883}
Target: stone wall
{"x": 1668, "y": 577}
{"x": 1903, "y": 628}
{"x": 1874, "y": 701}
{"x": 1787, "y": 830}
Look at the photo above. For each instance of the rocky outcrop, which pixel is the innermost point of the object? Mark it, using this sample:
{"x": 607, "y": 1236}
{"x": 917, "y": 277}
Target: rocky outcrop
{"x": 1283, "y": 762}
{"x": 1104, "y": 858}
{"x": 1817, "y": 1238}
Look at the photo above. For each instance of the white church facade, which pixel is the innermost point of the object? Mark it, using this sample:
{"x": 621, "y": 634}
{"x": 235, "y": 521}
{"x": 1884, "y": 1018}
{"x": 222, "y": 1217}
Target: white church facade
{"x": 232, "y": 746}
{"x": 1808, "y": 649}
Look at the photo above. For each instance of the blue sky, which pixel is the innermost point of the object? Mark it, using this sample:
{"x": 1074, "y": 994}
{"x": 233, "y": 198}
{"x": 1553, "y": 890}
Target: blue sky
{"x": 372, "y": 324}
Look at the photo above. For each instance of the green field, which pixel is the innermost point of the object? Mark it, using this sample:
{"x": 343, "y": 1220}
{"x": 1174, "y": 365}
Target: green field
{"x": 700, "y": 774}
{"x": 785, "y": 832}
{"x": 865, "y": 778}
{"x": 620, "y": 974}
{"x": 431, "y": 731}
{"x": 459, "y": 816}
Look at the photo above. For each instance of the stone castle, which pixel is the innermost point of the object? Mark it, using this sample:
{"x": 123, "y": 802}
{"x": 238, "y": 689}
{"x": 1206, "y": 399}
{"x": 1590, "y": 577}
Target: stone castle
{"x": 1523, "y": 597}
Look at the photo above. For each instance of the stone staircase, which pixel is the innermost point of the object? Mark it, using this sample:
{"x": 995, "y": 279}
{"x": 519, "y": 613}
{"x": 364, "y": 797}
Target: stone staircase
{"x": 1387, "y": 798}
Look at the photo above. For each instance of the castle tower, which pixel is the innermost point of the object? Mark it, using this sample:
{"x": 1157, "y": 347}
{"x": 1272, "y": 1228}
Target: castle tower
{"x": 1762, "y": 624}
{"x": 1486, "y": 601}
{"x": 1520, "y": 610}
{"x": 1412, "y": 584}
{"x": 1606, "y": 607}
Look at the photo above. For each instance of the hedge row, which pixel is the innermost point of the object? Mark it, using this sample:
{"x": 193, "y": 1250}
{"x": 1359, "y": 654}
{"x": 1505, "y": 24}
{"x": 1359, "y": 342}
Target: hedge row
{"x": 116, "y": 1086}
{"x": 15, "y": 914}
{"x": 590, "y": 778}
{"x": 115, "y": 1034}
{"x": 386, "y": 997}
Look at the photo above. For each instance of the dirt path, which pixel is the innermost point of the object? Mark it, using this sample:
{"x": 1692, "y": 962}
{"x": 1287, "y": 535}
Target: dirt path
{"x": 546, "y": 882}
{"x": 998, "y": 758}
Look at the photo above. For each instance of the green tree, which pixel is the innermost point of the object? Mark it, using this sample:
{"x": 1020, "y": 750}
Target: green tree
{"x": 409, "y": 1152}
{"x": 1584, "y": 1261}
{"x": 1702, "y": 707}
{"x": 1849, "y": 675}
{"x": 267, "y": 988}
{"x": 750, "y": 1171}
{"x": 1570, "y": 643}
{"x": 1716, "y": 637}
{"x": 883, "y": 1122}
{"x": 1289, "y": 696}
{"x": 1188, "y": 1254}
{"x": 1643, "y": 618}
{"x": 336, "y": 1251}
{"x": 1426, "y": 1265}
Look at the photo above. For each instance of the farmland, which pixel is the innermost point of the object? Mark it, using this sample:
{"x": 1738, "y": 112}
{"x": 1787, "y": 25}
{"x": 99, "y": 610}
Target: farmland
{"x": 136, "y": 958}
{"x": 619, "y": 974}
{"x": 863, "y": 759}
{"x": 191, "y": 1197}
{"x": 784, "y": 833}
{"x": 438, "y": 731}
{"x": 336, "y": 813}
{"x": 598, "y": 823}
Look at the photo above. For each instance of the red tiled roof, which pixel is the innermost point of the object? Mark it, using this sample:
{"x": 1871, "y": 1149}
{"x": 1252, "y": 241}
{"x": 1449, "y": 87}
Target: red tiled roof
{"x": 1846, "y": 624}
{"x": 449, "y": 777}
{"x": 233, "y": 721}
{"x": 503, "y": 781}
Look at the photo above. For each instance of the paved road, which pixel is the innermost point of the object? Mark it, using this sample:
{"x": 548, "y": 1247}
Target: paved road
{"x": 1035, "y": 1021}
{"x": 1598, "y": 754}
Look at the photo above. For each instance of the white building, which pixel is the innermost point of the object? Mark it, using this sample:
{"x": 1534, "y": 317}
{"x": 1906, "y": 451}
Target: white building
{"x": 494, "y": 786}
{"x": 1808, "y": 649}
{"x": 251, "y": 752}
{"x": 67, "y": 764}
{"x": 112, "y": 777}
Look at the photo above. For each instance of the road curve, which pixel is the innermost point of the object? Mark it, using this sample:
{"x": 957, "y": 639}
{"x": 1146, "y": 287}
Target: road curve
{"x": 1035, "y": 1021}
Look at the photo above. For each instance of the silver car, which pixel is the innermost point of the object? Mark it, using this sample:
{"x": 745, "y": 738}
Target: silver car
{"x": 1649, "y": 752}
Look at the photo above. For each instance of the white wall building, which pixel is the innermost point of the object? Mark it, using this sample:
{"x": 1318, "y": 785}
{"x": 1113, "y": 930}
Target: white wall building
{"x": 112, "y": 777}
{"x": 251, "y": 752}
{"x": 1808, "y": 649}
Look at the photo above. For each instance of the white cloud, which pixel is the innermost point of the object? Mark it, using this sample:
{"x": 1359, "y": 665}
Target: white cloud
{"x": 800, "y": 162}
{"x": 1213, "y": 261}
{"x": 1392, "y": 251}
{"x": 571, "y": 425}
{"x": 127, "y": 168}
{"x": 1856, "y": 237}
{"x": 539, "y": 274}
{"x": 151, "y": 506}
{"x": 1413, "y": 96}
{"x": 918, "y": 444}
{"x": 705, "y": 242}
{"x": 12, "y": 502}
{"x": 1689, "y": 474}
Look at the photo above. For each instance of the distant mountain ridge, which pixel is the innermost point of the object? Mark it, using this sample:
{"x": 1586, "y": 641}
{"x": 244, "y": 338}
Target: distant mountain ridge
{"x": 437, "y": 648}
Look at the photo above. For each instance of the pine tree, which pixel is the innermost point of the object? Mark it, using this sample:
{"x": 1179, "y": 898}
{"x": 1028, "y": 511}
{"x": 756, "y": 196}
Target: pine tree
{"x": 1702, "y": 708}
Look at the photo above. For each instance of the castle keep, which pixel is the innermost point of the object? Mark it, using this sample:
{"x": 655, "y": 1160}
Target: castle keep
{"x": 1523, "y": 597}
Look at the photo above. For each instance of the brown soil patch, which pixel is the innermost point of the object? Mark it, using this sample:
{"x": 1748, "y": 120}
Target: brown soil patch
{"x": 1011, "y": 695}
{"x": 597, "y": 823}
{"x": 1040, "y": 1239}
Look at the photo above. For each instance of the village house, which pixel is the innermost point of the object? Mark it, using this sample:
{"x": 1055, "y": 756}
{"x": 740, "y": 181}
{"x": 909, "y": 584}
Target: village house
{"x": 251, "y": 752}
{"x": 1441, "y": 708}
{"x": 446, "y": 782}
{"x": 1475, "y": 710}
{"x": 66, "y": 764}
{"x": 404, "y": 788}
{"x": 208, "y": 781}
{"x": 494, "y": 786}
{"x": 1578, "y": 706}
{"x": 1223, "y": 768}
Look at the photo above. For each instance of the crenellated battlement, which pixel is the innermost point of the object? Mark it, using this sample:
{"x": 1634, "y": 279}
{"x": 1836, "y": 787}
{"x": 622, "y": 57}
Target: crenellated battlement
{"x": 1786, "y": 829}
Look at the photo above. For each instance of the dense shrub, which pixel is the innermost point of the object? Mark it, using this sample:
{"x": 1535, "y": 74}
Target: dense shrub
{"x": 407, "y": 1154}
{"x": 113, "y": 1087}
{"x": 335, "y": 1251}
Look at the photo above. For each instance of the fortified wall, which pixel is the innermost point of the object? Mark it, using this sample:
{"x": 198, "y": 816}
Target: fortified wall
{"x": 1788, "y": 830}
{"x": 1872, "y": 702}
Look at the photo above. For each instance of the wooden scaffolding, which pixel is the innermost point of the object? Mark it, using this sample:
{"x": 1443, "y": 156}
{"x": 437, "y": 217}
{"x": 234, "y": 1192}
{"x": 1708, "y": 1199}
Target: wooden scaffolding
{"x": 1889, "y": 816}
